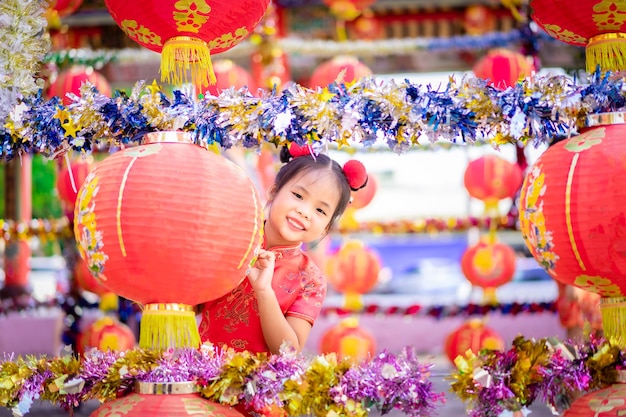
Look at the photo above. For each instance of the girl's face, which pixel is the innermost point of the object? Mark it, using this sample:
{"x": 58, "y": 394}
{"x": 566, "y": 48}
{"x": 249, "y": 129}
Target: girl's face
{"x": 301, "y": 211}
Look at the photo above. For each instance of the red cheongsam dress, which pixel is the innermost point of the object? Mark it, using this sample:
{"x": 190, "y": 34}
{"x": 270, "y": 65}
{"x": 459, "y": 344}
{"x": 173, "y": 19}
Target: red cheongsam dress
{"x": 233, "y": 320}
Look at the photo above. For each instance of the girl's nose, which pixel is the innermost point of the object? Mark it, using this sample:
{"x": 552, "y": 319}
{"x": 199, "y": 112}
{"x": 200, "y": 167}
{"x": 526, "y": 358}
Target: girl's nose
{"x": 302, "y": 212}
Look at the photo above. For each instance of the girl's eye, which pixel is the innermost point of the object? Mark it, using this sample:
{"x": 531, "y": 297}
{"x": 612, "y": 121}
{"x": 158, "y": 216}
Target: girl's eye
{"x": 321, "y": 211}
{"x": 297, "y": 195}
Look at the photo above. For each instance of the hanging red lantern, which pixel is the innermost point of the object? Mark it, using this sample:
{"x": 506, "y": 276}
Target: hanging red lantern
{"x": 349, "y": 341}
{"x": 61, "y": 8}
{"x": 71, "y": 79}
{"x": 153, "y": 235}
{"x": 573, "y": 218}
{"x": 350, "y": 67}
{"x": 165, "y": 399}
{"x": 229, "y": 75}
{"x": 104, "y": 334}
{"x": 503, "y": 67}
{"x": 491, "y": 178}
{"x": 186, "y": 33}
{"x": 348, "y": 9}
{"x": 606, "y": 402}
{"x": 598, "y": 25}
{"x": 472, "y": 335}
{"x": 85, "y": 280}
{"x": 270, "y": 70}
{"x": 69, "y": 180}
{"x": 488, "y": 264}
{"x": 354, "y": 271}
{"x": 478, "y": 19}
{"x": 360, "y": 199}
{"x": 366, "y": 27}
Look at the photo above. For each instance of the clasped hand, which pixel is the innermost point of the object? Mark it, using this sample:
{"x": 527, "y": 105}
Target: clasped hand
{"x": 261, "y": 273}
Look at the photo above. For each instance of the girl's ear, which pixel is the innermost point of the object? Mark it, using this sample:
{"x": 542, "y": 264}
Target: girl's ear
{"x": 271, "y": 192}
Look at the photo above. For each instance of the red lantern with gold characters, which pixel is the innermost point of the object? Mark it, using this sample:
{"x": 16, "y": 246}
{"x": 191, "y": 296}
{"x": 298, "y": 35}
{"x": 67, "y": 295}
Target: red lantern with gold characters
{"x": 598, "y": 25}
{"x": 472, "y": 335}
{"x": 606, "y": 402}
{"x": 353, "y": 271}
{"x": 348, "y": 340}
{"x": 503, "y": 67}
{"x": 71, "y": 80}
{"x": 230, "y": 75}
{"x": 186, "y": 33}
{"x": 106, "y": 333}
{"x": 573, "y": 217}
{"x": 349, "y": 67}
{"x": 491, "y": 178}
{"x": 169, "y": 225}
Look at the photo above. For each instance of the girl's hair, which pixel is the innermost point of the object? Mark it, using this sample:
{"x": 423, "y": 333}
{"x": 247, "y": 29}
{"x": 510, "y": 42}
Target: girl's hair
{"x": 306, "y": 163}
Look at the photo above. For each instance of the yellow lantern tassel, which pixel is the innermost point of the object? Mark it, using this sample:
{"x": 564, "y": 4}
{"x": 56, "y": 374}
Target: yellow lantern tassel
{"x": 168, "y": 325}
{"x": 183, "y": 54}
{"x": 614, "y": 319}
{"x": 353, "y": 301}
{"x": 608, "y": 51}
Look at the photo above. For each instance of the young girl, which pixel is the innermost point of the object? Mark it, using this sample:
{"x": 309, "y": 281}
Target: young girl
{"x": 283, "y": 293}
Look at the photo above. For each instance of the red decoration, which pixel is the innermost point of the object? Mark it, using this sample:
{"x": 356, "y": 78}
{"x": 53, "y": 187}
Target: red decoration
{"x": 168, "y": 223}
{"x": 350, "y": 68}
{"x": 478, "y": 19}
{"x": 355, "y": 268}
{"x": 106, "y": 333}
{"x": 488, "y": 264}
{"x": 503, "y": 67}
{"x": 85, "y": 280}
{"x": 187, "y": 33}
{"x": 491, "y": 178}
{"x": 355, "y": 174}
{"x": 363, "y": 197}
{"x": 606, "y": 402}
{"x": 472, "y": 335}
{"x": 348, "y": 341}
{"x": 366, "y": 27}
{"x": 71, "y": 79}
{"x": 69, "y": 180}
{"x": 167, "y": 405}
{"x": 348, "y": 9}
{"x": 572, "y": 214}
{"x": 599, "y": 25}
{"x": 271, "y": 70}
{"x": 230, "y": 75}
{"x": 65, "y": 7}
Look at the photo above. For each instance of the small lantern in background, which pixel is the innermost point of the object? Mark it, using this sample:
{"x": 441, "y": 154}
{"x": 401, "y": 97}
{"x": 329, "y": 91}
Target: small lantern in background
{"x": 503, "y": 67}
{"x": 360, "y": 199}
{"x": 348, "y": 10}
{"x": 347, "y": 68}
{"x": 366, "y": 27}
{"x": 69, "y": 180}
{"x": 70, "y": 81}
{"x": 490, "y": 179}
{"x": 353, "y": 271}
{"x": 229, "y": 75}
{"x": 488, "y": 265}
{"x": 478, "y": 19}
{"x": 349, "y": 341}
{"x": 61, "y": 8}
{"x": 472, "y": 335}
{"x": 106, "y": 333}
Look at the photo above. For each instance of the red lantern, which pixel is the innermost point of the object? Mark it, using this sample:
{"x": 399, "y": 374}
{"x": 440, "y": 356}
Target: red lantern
{"x": 573, "y": 218}
{"x": 478, "y": 19}
{"x": 488, "y": 264}
{"x": 354, "y": 271}
{"x": 366, "y": 27}
{"x": 69, "y": 181}
{"x": 607, "y": 402}
{"x": 169, "y": 225}
{"x": 472, "y": 335}
{"x": 85, "y": 280}
{"x": 503, "y": 67}
{"x": 71, "y": 79}
{"x": 491, "y": 178}
{"x": 271, "y": 70}
{"x": 168, "y": 400}
{"x": 328, "y": 71}
{"x": 106, "y": 333}
{"x": 348, "y": 341}
{"x": 65, "y": 7}
{"x": 187, "y": 33}
{"x": 348, "y": 9}
{"x": 599, "y": 25}
{"x": 229, "y": 74}
{"x": 365, "y": 195}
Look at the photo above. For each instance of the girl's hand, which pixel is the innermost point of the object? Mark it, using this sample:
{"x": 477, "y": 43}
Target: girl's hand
{"x": 261, "y": 274}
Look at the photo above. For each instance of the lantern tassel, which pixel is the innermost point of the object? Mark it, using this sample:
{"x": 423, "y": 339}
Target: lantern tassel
{"x": 165, "y": 326}
{"x": 614, "y": 319}
{"x": 182, "y": 55}
{"x": 607, "y": 51}
{"x": 353, "y": 301}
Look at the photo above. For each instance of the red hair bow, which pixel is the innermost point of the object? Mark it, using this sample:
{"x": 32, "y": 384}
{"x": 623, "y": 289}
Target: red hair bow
{"x": 296, "y": 150}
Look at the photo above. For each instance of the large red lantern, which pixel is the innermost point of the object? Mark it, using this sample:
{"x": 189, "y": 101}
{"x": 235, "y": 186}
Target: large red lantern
{"x": 353, "y": 271}
{"x": 164, "y": 399}
{"x": 503, "y": 67}
{"x": 491, "y": 178}
{"x": 599, "y": 25}
{"x": 350, "y": 68}
{"x": 606, "y": 402}
{"x": 472, "y": 335}
{"x": 186, "y": 33}
{"x": 349, "y": 341}
{"x": 169, "y": 225}
{"x": 573, "y": 218}
{"x": 230, "y": 75}
{"x": 71, "y": 80}
{"x": 488, "y": 264}
{"x": 106, "y": 333}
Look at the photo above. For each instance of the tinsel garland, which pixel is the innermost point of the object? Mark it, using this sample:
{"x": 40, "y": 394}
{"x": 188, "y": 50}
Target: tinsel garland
{"x": 546, "y": 370}
{"x": 44, "y": 229}
{"x": 317, "y": 386}
{"x": 365, "y": 113}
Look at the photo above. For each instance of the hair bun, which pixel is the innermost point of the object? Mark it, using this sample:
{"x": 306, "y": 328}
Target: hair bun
{"x": 355, "y": 174}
